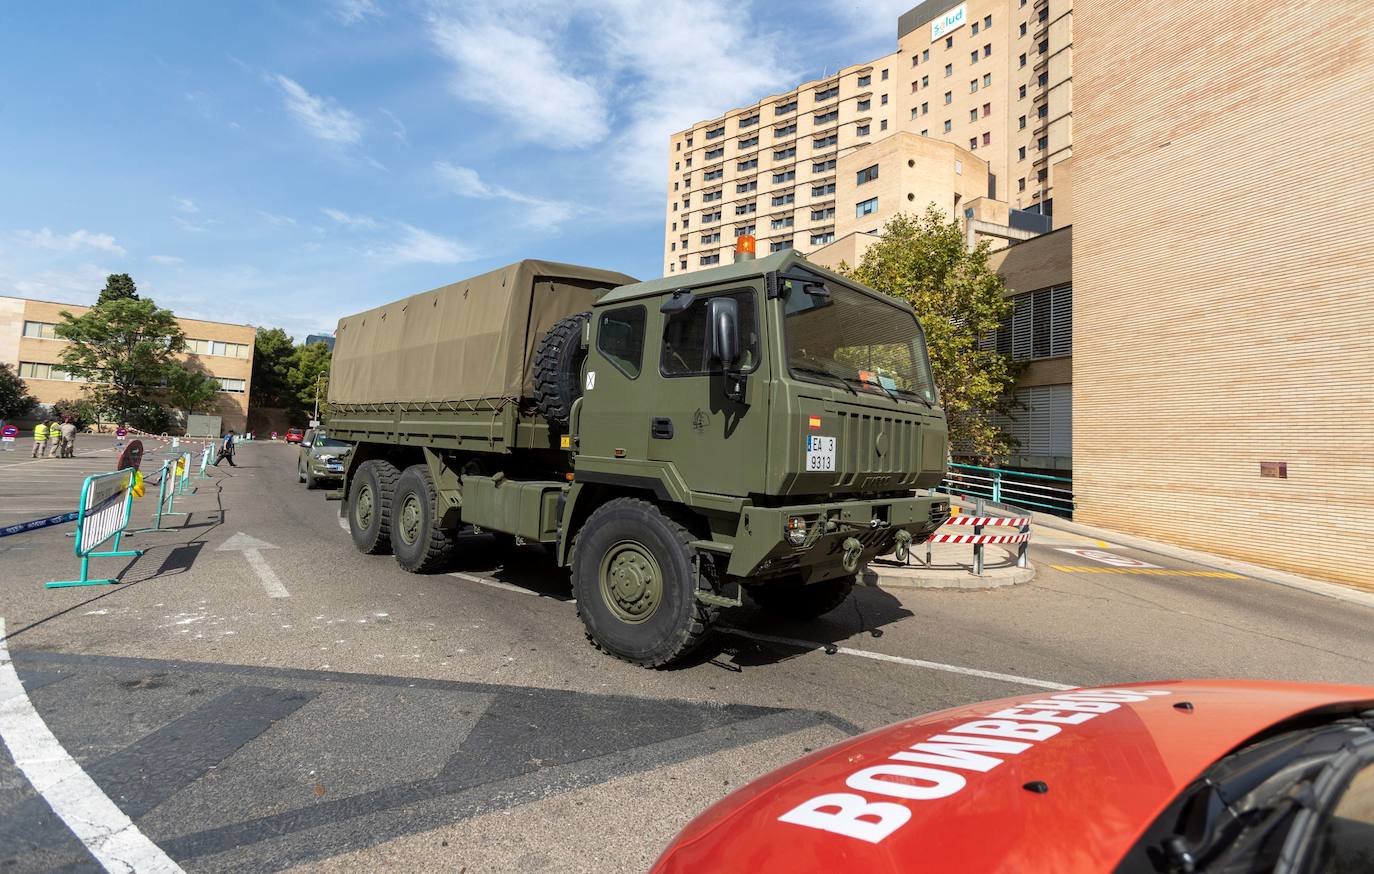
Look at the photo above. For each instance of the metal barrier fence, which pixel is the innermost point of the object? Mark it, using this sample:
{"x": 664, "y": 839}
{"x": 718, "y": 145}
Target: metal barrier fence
{"x": 1010, "y": 487}
{"x": 103, "y": 513}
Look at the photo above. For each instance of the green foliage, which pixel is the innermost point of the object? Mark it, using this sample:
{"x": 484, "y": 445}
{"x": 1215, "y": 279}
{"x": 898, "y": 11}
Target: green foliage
{"x": 309, "y": 373}
{"x": 118, "y": 286}
{"x": 958, "y": 299}
{"x": 122, "y": 350}
{"x": 15, "y": 400}
{"x": 190, "y": 388}
{"x": 273, "y": 354}
{"x": 83, "y": 413}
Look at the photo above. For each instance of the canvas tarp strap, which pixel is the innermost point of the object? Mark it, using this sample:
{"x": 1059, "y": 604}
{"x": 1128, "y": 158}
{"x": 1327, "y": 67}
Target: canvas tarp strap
{"x": 470, "y": 340}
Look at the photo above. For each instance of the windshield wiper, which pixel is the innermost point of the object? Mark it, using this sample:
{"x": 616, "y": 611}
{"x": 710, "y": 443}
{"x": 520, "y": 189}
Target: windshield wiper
{"x": 802, "y": 368}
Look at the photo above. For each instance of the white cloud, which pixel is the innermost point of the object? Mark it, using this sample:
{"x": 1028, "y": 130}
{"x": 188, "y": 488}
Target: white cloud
{"x": 503, "y": 63}
{"x": 354, "y": 11}
{"x": 76, "y": 285}
{"x": 323, "y": 117}
{"x": 418, "y": 246}
{"x": 277, "y": 221}
{"x": 536, "y": 212}
{"x": 194, "y": 227}
{"x": 186, "y": 205}
{"x": 352, "y": 220}
{"x": 73, "y": 242}
{"x": 398, "y": 128}
{"x": 168, "y": 260}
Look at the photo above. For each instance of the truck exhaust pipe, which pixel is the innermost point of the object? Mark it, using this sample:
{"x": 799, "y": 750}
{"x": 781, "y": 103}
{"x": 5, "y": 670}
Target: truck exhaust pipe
{"x": 744, "y": 248}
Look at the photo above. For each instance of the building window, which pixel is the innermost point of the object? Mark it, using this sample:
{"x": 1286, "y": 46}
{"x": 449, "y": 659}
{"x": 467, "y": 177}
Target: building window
{"x": 713, "y": 174}
{"x": 867, "y": 174}
{"x": 987, "y": 110}
{"x": 822, "y": 214}
{"x": 713, "y": 237}
{"x": 1021, "y": 123}
{"x": 749, "y": 143}
{"x": 673, "y": 247}
{"x": 914, "y": 86}
{"x": 689, "y": 161}
{"x": 1021, "y": 62}
{"x": 925, "y": 108}
{"x": 973, "y": 115}
{"x": 1021, "y": 154}
{"x": 973, "y": 143}
{"x": 823, "y": 238}
{"x": 1023, "y": 28}
{"x": 883, "y": 75}
{"x": 1044, "y": 14}
{"x": 784, "y": 199}
{"x": 1022, "y": 93}
{"x": 679, "y": 147}
{"x": 745, "y": 208}
{"x": 987, "y": 138}
{"x": 974, "y": 30}
{"x": 41, "y": 330}
{"x": 826, "y": 117}
{"x": 915, "y": 111}
{"x": 715, "y": 132}
{"x": 865, "y": 80}
{"x": 708, "y": 260}
{"x": 1043, "y": 47}
{"x": 987, "y": 22}
{"x": 682, "y": 265}
{"x": 779, "y": 245}
{"x": 1042, "y": 111}
{"x": 1043, "y": 143}
{"x": 882, "y": 124}
{"x": 784, "y": 131}
{"x": 1043, "y": 79}
{"x": 215, "y": 347}
{"x": 778, "y": 224}
{"x": 237, "y": 386}
{"x": 784, "y": 108}
{"x": 926, "y": 132}
{"x": 784, "y": 176}
{"x": 925, "y": 81}
{"x": 973, "y": 86}
{"x": 747, "y": 165}
{"x": 949, "y": 125}
{"x": 689, "y": 142}
{"x": 1042, "y": 175}
{"x": 685, "y": 222}
{"x": 949, "y": 42}
{"x": 823, "y": 142}
{"x": 987, "y": 80}
{"x": 987, "y": 50}
{"x": 752, "y": 185}
{"x": 949, "y": 97}
{"x": 784, "y": 154}
{"x": 1021, "y": 183}
{"x": 823, "y": 190}
{"x": 36, "y": 370}
{"x": 686, "y": 202}
{"x": 865, "y": 104}
{"x": 925, "y": 55}
{"x": 866, "y": 207}
{"x": 828, "y": 94}
{"x": 710, "y": 216}
{"x": 949, "y": 70}
{"x": 973, "y": 57}
{"x": 750, "y": 121}
{"x": 712, "y": 154}
{"x": 882, "y": 100}
{"x": 742, "y": 230}
{"x": 823, "y": 166}
{"x": 861, "y": 130}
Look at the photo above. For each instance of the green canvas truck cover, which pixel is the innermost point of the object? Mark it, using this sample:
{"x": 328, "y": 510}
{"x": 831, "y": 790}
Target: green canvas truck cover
{"x": 472, "y": 340}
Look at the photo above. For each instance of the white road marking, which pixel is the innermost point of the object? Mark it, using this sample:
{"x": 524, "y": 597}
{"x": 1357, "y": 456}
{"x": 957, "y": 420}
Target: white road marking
{"x": 250, "y": 547}
{"x": 901, "y": 660}
{"x": 109, "y": 835}
{"x": 495, "y": 584}
{"x": 1108, "y": 558}
{"x": 343, "y": 523}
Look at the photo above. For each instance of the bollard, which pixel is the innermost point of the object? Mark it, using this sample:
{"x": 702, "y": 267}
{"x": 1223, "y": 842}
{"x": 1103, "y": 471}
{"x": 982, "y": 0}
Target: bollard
{"x": 106, "y": 499}
{"x": 1023, "y": 548}
{"x": 979, "y": 510}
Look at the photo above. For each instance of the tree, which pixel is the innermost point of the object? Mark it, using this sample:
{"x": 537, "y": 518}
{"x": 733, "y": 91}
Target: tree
{"x": 309, "y": 373}
{"x": 15, "y": 400}
{"x": 190, "y": 388}
{"x": 958, "y": 299}
{"x": 273, "y": 354}
{"x": 121, "y": 350}
{"x": 82, "y": 412}
{"x": 118, "y": 286}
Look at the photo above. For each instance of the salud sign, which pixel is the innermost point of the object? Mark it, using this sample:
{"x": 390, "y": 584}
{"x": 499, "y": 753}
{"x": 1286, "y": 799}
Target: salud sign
{"x": 951, "y": 20}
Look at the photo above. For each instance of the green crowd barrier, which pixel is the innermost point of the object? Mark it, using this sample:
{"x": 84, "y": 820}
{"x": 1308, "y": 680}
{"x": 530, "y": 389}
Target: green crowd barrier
{"x": 106, "y": 499}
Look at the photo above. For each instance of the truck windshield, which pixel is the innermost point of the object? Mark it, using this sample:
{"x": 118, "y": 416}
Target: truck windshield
{"x": 837, "y": 334}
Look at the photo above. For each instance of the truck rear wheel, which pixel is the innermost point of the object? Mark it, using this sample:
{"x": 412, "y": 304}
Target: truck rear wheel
{"x": 417, "y": 541}
{"x": 797, "y": 601}
{"x": 558, "y": 368}
{"x": 369, "y": 506}
{"x": 635, "y": 585}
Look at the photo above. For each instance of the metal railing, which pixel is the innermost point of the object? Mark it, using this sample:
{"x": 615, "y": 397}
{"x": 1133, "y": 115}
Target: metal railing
{"x": 1011, "y": 487}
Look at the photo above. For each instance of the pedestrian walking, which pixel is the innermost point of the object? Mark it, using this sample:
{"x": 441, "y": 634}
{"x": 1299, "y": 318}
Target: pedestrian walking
{"x": 54, "y": 438}
{"x": 40, "y": 439}
{"x": 226, "y": 450}
{"x": 67, "y": 433}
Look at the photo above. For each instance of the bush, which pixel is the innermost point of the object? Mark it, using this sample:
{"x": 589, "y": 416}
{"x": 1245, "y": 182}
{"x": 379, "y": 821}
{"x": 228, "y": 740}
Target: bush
{"x": 83, "y": 413}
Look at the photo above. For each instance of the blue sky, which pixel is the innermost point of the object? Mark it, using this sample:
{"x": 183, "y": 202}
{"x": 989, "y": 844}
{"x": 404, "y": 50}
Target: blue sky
{"x": 285, "y": 163}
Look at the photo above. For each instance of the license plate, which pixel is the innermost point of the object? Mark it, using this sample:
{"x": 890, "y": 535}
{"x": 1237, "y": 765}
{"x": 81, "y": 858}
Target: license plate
{"x": 334, "y": 468}
{"x": 820, "y": 453}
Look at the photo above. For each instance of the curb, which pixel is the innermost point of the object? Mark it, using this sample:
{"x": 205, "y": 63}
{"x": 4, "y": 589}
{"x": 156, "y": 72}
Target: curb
{"x": 917, "y": 577}
{"x": 1326, "y": 589}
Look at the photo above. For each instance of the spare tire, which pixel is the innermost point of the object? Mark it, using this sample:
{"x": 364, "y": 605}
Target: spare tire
{"x": 558, "y": 368}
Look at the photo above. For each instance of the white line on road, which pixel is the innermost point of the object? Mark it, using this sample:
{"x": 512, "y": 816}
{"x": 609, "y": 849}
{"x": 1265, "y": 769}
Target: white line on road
{"x": 250, "y": 547}
{"x": 495, "y": 584}
{"x": 901, "y": 660}
{"x": 343, "y": 523}
{"x": 109, "y": 835}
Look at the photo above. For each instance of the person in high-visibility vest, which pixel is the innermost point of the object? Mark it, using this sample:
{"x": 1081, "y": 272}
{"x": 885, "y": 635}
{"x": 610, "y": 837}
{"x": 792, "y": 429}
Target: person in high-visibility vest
{"x": 40, "y": 440}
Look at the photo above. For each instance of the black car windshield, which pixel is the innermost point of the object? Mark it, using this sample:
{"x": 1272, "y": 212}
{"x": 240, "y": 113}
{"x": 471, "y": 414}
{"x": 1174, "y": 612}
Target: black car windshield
{"x": 835, "y": 333}
{"x": 329, "y": 443}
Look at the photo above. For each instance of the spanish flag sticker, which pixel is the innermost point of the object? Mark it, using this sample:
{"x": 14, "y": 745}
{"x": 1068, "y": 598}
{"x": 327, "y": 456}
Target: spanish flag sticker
{"x": 814, "y": 421}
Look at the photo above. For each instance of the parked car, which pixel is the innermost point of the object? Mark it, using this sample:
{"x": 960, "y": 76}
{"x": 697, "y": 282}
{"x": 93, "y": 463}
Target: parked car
{"x": 295, "y": 435}
{"x": 1188, "y": 775}
{"x": 321, "y": 458}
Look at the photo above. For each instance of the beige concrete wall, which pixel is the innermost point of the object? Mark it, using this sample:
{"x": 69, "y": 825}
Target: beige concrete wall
{"x": 1040, "y": 262}
{"x": 1222, "y": 317}
{"x": 231, "y": 406}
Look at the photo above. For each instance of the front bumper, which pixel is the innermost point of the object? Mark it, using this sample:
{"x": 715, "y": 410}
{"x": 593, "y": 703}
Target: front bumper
{"x": 761, "y": 549}
{"x": 327, "y": 470}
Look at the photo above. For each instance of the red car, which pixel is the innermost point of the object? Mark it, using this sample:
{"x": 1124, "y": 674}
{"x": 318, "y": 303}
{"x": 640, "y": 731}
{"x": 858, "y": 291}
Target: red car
{"x": 1180, "y": 776}
{"x": 295, "y": 435}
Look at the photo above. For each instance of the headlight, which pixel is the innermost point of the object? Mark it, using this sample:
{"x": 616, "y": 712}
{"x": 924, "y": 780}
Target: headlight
{"x": 325, "y": 457}
{"x": 796, "y": 530}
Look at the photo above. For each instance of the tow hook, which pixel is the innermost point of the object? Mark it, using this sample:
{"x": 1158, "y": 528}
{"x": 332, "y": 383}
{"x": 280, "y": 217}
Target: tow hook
{"x": 852, "y": 550}
{"x": 903, "y": 548}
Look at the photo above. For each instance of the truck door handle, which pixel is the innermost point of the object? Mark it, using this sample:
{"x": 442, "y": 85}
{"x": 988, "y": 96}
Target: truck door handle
{"x": 661, "y": 428}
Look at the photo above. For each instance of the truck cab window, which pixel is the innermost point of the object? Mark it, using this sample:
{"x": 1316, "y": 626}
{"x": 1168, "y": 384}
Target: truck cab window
{"x": 620, "y": 338}
{"x": 685, "y": 340}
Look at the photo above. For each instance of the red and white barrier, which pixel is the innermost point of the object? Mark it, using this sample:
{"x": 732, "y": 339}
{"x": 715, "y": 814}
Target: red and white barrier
{"x": 1013, "y": 521}
{"x": 980, "y": 538}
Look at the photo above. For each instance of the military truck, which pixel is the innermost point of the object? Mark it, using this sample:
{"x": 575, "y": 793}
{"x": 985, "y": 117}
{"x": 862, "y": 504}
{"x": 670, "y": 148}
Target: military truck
{"x": 765, "y": 427}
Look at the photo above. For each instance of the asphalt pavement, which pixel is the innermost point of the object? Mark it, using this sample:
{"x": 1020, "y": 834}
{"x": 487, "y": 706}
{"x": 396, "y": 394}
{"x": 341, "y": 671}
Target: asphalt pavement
{"x": 256, "y": 695}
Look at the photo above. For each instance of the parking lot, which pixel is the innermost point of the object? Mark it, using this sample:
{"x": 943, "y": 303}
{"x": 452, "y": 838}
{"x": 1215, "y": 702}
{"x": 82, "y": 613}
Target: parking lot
{"x": 257, "y": 693}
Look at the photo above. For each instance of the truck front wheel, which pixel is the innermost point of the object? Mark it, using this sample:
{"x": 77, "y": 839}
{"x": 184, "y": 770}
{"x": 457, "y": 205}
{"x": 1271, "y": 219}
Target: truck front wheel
{"x": 635, "y": 584}
{"x": 797, "y": 601}
{"x": 369, "y": 506}
{"x": 419, "y": 544}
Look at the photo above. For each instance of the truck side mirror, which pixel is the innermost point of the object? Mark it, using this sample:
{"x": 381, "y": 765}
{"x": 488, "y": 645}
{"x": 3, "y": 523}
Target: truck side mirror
{"x": 722, "y": 314}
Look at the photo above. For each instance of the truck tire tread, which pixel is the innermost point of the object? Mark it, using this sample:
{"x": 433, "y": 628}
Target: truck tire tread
{"x": 557, "y": 369}
{"x": 437, "y": 545}
{"x": 386, "y": 475}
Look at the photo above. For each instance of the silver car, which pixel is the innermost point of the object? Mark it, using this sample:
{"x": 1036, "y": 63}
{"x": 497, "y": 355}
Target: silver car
{"x": 321, "y": 458}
